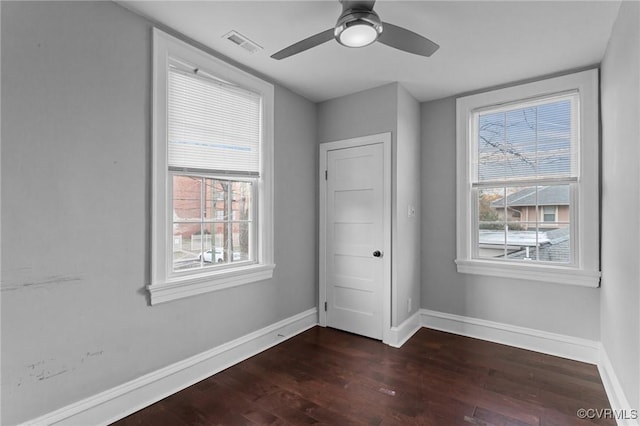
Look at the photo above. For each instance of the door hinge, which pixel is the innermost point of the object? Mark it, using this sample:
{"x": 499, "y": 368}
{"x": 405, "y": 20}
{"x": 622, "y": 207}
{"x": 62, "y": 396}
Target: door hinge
{"x": 326, "y": 175}
{"x": 325, "y": 306}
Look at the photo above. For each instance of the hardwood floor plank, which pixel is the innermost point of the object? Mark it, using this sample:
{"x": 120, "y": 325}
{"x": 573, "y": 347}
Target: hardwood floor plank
{"x": 325, "y": 376}
{"x": 497, "y": 419}
{"x": 156, "y": 414}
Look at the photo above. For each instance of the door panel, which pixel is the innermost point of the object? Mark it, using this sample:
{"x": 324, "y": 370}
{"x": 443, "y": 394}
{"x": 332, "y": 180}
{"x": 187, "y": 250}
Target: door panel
{"x": 355, "y": 229}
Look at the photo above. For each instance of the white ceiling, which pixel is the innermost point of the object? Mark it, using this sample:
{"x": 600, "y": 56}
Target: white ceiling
{"x": 482, "y": 43}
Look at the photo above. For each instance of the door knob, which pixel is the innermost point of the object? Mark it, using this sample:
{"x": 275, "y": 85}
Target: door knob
{"x": 377, "y": 253}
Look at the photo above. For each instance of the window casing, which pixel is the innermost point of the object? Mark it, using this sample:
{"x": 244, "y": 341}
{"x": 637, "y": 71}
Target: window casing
{"x": 527, "y": 190}
{"x": 212, "y": 225}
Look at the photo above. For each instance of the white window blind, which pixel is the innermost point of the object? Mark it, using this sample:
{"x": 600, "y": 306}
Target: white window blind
{"x": 212, "y": 126}
{"x": 530, "y": 142}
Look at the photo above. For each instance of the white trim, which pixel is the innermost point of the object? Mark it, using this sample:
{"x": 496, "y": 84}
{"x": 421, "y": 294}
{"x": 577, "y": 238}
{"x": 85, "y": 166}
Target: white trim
{"x": 120, "y": 401}
{"x": 533, "y": 272}
{"x": 200, "y": 284}
{"x": 561, "y": 345}
{"x": 618, "y": 400}
{"x": 585, "y": 222}
{"x": 164, "y": 282}
{"x": 385, "y": 139}
{"x": 399, "y": 335}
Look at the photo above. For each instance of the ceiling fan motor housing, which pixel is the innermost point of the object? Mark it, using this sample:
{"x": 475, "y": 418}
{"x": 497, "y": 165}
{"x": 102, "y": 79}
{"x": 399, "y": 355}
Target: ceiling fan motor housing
{"x": 358, "y": 28}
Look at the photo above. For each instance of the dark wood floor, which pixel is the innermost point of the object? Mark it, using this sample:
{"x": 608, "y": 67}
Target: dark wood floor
{"x": 330, "y": 377}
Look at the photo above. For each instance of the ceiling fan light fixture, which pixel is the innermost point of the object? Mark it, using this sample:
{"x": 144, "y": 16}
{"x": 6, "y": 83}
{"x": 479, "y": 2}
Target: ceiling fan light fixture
{"x": 358, "y": 26}
{"x": 358, "y": 29}
{"x": 357, "y": 35}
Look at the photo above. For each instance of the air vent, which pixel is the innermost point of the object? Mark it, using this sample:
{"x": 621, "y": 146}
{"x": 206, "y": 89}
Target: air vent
{"x": 242, "y": 41}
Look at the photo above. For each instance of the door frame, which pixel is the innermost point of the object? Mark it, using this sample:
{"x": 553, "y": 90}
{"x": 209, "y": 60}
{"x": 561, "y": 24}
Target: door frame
{"x": 385, "y": 139}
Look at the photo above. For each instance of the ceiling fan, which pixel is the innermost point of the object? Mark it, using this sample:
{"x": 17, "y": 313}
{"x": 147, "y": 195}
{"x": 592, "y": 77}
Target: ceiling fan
{"x": 359, "y": 26}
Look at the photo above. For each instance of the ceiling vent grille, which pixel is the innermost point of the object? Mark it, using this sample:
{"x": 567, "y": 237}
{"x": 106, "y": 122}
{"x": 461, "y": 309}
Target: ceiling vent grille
{"x": 242, "y": 41}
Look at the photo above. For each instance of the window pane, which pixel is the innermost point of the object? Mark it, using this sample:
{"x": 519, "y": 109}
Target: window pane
{"x": 216, "y": 196}
{"x": 520, "y": 145}
{"x": 523, "y": 240}
{"x": 558, "y": 247}
{"x": 490, "y": 212}
{"x": 491, "y": 242}
{"x": 555, "y": 137}
{"x": 491, "y": 223}
{"x": 524, "y": 223}
{"x": 552, "y": 246}
{"x": 187, "y": 193}
{"x": 554, "y": 205}
{"x": 213, "y": 252}
{"x": 187, "y": 245}
{"x": 217, "y": 231}
{"x": 491, "y": 152}
{"x": 529, "y": 142}
{"x": 242, "y": 201}
{"x": 520, "y": 205}
{"x": 240, "y": 241}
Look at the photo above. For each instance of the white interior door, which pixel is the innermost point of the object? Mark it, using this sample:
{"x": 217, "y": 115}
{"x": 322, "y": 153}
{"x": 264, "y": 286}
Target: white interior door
{"x": 355, "y": 262}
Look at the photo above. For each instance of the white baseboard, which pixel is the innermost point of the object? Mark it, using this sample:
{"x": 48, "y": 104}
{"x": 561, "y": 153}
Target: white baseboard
{"x": 400, "y": 334}
{"x": 526, "y": 338}
{"x": 116, "y": 403}
{"x": 619, "y": 403}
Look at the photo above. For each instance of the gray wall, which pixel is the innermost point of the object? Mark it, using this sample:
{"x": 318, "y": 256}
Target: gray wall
{"x": 359, "y": 114}
{"x": 389, "y": 108}
{"x": 406, "y": 253}
{"x": 543, "y": 306}
{"x": 76, "y": 85}
{"x": 620, "y": 85}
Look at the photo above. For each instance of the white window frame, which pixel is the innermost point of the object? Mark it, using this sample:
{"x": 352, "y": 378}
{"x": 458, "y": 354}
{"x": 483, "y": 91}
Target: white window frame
{"x": 584, "y": 270}
{"x": 165, "y": 284}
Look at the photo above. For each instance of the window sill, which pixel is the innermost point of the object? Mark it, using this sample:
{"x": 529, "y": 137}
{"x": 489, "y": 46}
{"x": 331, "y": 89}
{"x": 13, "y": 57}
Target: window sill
{"x": 546, "y": 273}
{"x": 208, "y": 282}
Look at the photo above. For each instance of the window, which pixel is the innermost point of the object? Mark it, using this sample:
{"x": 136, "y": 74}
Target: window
{"x": 549, "y": 213}
{"x": 528, "y": 181}
{"x": 212, "y": 207}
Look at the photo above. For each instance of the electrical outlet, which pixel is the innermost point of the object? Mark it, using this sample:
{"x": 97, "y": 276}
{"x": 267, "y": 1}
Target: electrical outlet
{"x": 409, "y": 305}
{"x": 411, "y": 211}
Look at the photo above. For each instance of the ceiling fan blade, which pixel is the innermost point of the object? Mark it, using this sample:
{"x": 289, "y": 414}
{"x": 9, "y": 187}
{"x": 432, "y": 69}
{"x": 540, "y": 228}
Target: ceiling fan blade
{"x": 307, "y": 43}
{"x": 406, "y": 40}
